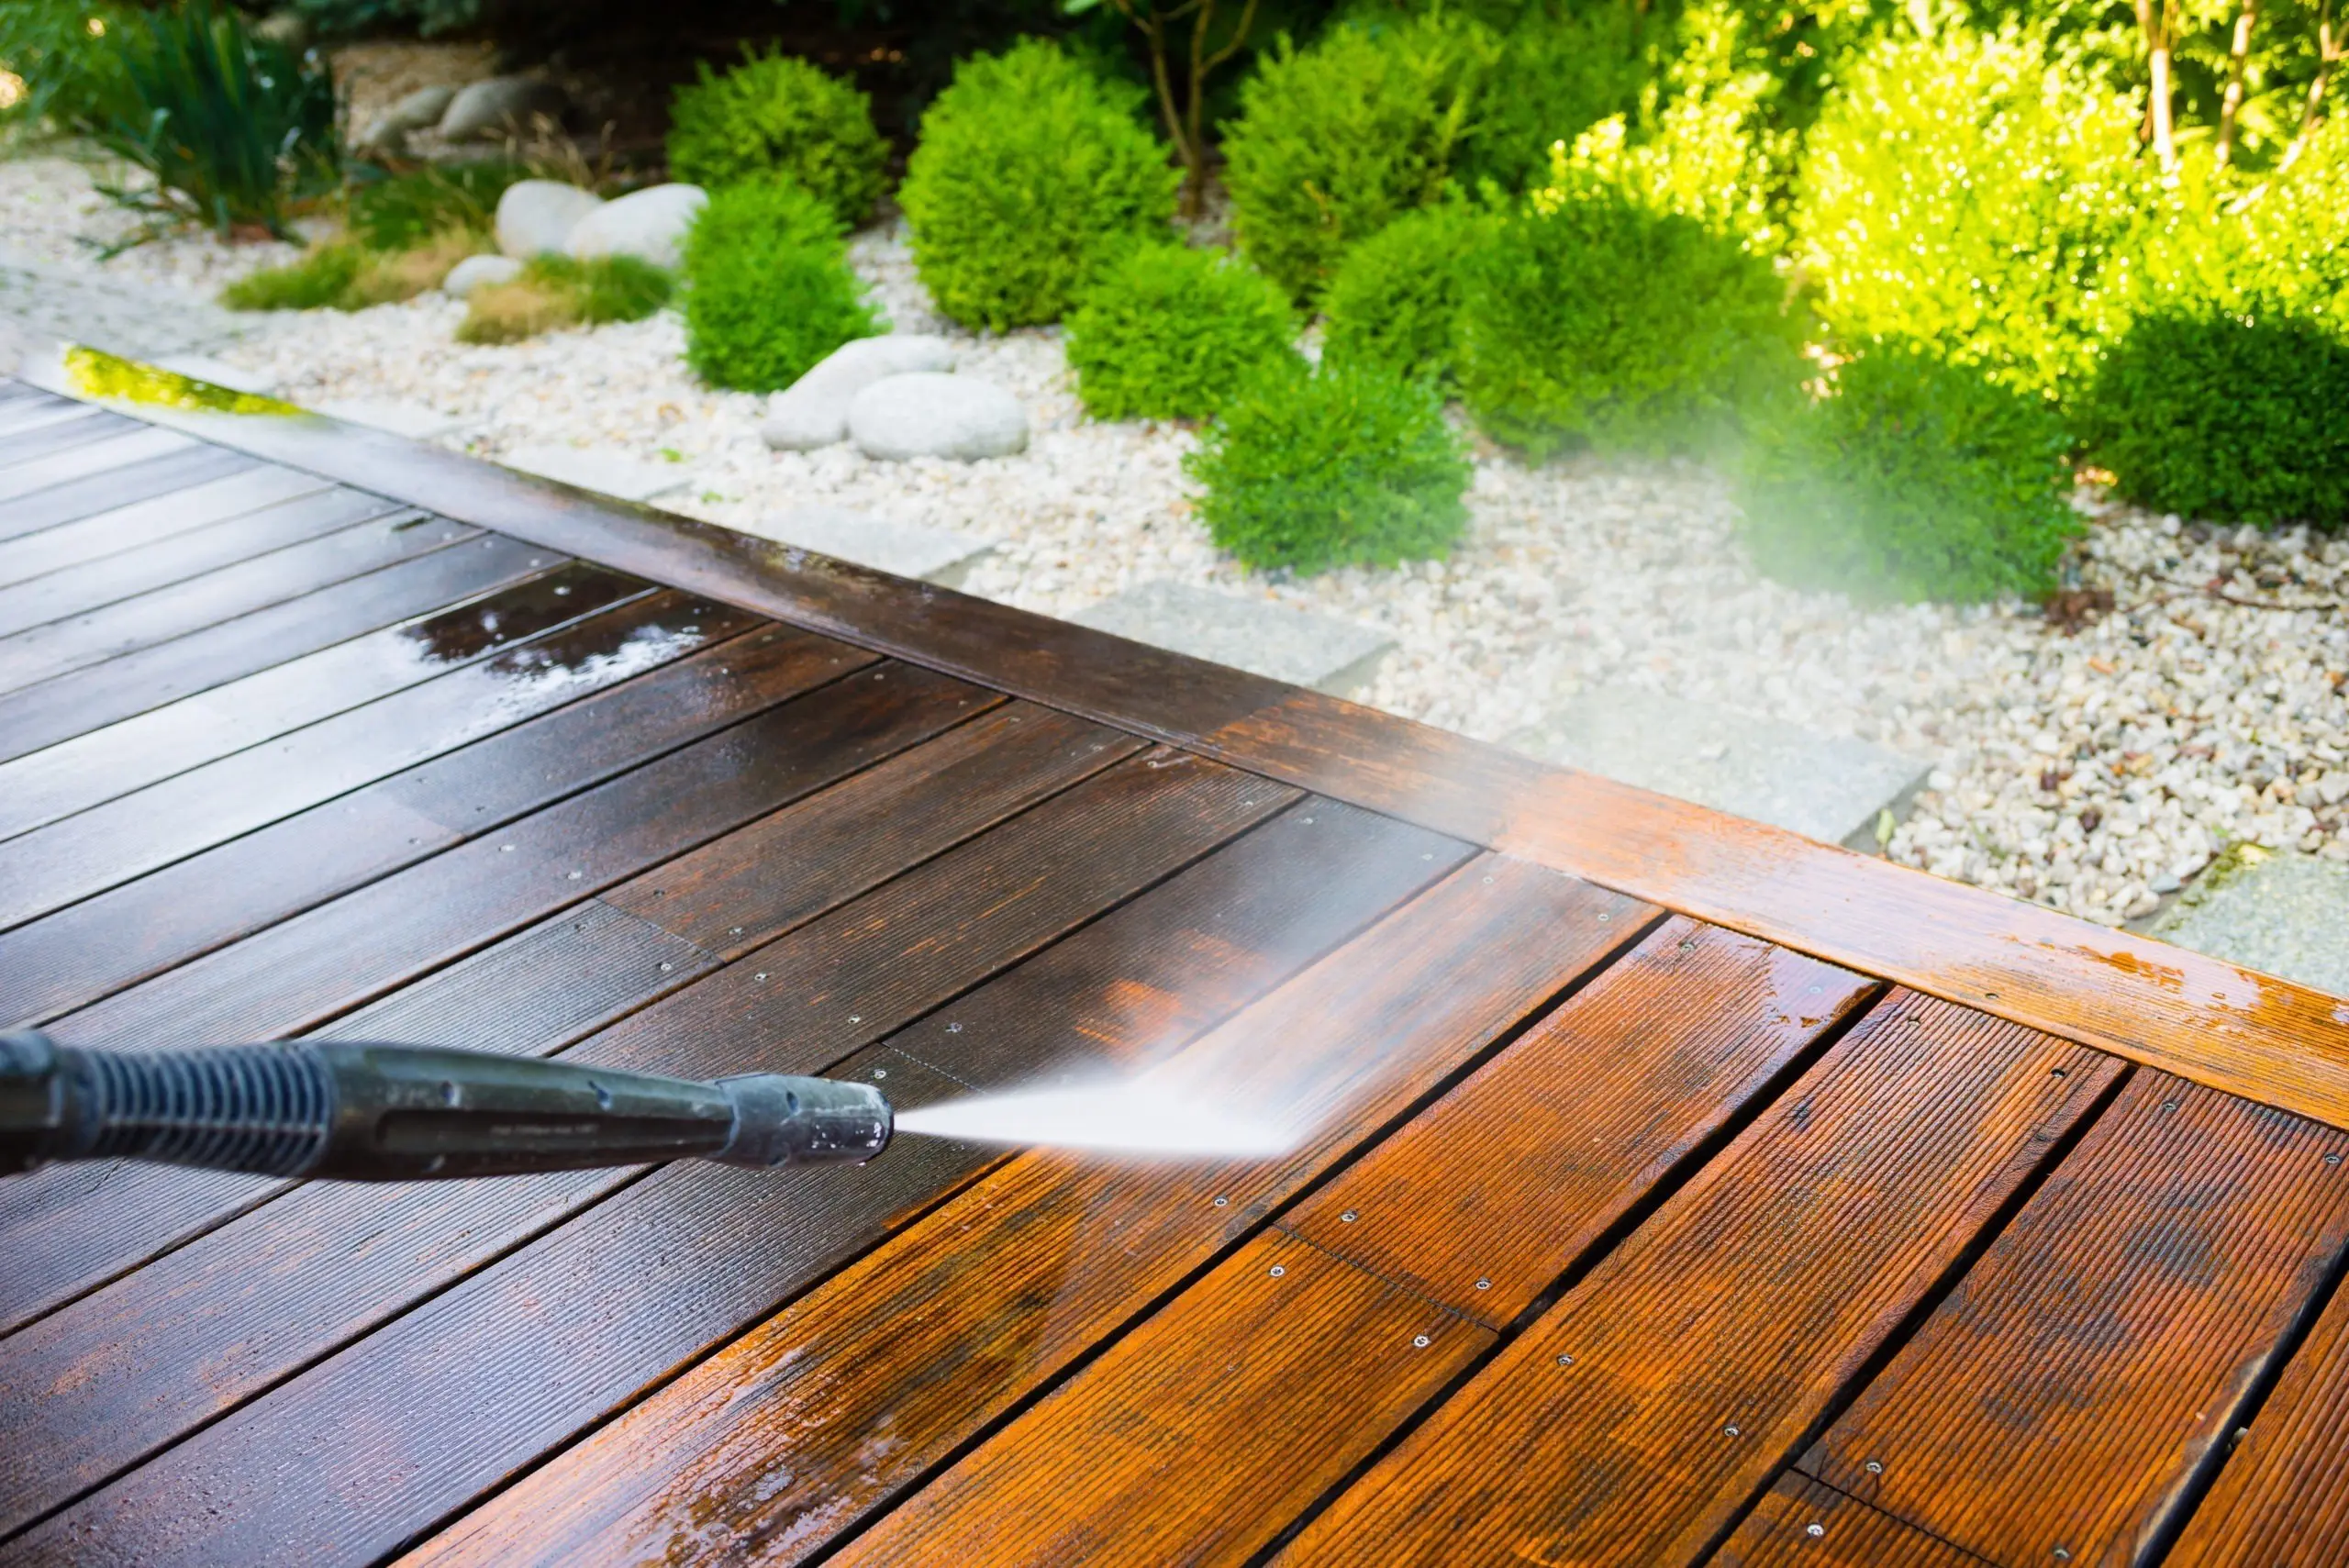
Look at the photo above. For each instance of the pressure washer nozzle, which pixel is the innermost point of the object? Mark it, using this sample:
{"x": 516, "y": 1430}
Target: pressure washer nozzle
{"x": 395, "y": 1113}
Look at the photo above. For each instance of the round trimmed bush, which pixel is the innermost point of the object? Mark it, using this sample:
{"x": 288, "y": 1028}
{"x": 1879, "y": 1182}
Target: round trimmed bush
{"x": 1915, "y": 479}
{"x": 1031, "y": 173}
{"x": 1166, "y": 331}
{"x": 1309, "y": 468}
{"x": 1397, "y": 296}
{"x": 1334, "y": 141}
{"x": 1593, "y": 320}
{"x": 777, "y": 114}
{"x": 2220, "y": 417}
{"x": 768, "y": 288}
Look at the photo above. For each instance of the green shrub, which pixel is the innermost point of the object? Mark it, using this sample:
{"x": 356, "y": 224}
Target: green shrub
{"x": 777, "y": 114}
{"x": 407, "y": 210}
{"x": 1167, "y": 332}
{"x": 768, "y": 287}
{"x": 232, "y": 128}
{"x": 2213, "y": 415}
{"x": 1973, "y": 192}
{"x": 1398, "y": 297}
{"x": 1336, "y": 140}
{"x": 1591, "y": 318}
{"x": 1031, "y": 172}
{"x": 1558, "y": 75}
{"x": 555, "y": 291}
{"x": 67, "y": 74}
{"x": 1309, "y": 468}
{"x": 1916, "y": 478}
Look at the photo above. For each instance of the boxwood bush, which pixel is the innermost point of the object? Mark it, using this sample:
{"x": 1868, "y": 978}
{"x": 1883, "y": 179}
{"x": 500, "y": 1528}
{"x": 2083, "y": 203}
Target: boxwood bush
{"x": 1165, "y": 332}
{"x": 768, "y": 288}
{"x": 1592, "y": 319}
{"x": 1313, "y": 467}
{"x": 2245, "y": 418}
{"x": 1915, "y": 479}
{"x": 1335, "y": 141}
{"x": 777, "y": 114}
{"x": 1397, "y": 296}
{"x": 1031, "y": 173}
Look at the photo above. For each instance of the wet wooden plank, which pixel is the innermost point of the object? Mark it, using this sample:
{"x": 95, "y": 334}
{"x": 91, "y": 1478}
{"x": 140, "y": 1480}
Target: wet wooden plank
{"x": 102, "y": 492}
{"x": 135, "y": 657}
{"x": 77, "y": 590}
{"x": 1800, "y": 1524}
{"x": 556, "y": 1314}
{"x": 81, "y": 462}
{"x": 148, "y": 523}
{"x": 1213, "y": 1425}
{"x": 2070, "y": 1393}
{"x": 103, "y": 944}
{"x": 790, "y": 1435}
{"x": 25, "y": 444}
{"x": 2282, "y": 1499}
{"x": 1633, "y": 1421}
{"x": 220, "y": 790}
{"x": 294, "y": 976}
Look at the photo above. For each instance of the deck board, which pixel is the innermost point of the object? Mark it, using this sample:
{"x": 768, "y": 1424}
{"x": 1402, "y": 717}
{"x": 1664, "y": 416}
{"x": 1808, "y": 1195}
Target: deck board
{"x": 1764, "y": 1135}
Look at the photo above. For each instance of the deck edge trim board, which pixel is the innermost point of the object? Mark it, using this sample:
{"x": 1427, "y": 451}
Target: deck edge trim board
{"x": 2225, "y": 1027}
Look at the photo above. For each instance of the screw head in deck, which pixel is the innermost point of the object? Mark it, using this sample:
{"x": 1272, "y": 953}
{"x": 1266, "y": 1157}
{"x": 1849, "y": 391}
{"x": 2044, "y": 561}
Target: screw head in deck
{"x": 880, "y": 1071}
{"x": 1222, "y": 1202}
{"x": 1484, "y": 1284}
{"x": 1814, "y": 1531}
{"x": 1421, "y": 1340}
{"x": 2062, "y": 1554}
{"x": 1873, "y": 1467}
{"x": 1279, "y": 1271}
{"x": 1730, "y": 1433}
{"x": 1349, "y": 1216}
{"x": 2332, "y": 1159}
{"x": 1565, "y": 1360}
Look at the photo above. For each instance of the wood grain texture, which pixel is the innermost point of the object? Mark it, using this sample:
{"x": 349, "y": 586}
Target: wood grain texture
{"x": 26, "y": 479}
{"x": 2282, "y": 1500}
{"x": 295, "y": 976}
{"x": 2066, "y": 1394}
{"x": 133, "y": 657}
{"x": 212, "y": 803}
{"x": 2217, "y": 1023}
{"x": 130, "y": 933}
{"x": 77, "y": 590}
{"x": 108, "y": 763}
{"x": 1800, "y": 1524}
{"x": 1489, "y": 1195}
{"x": 145, "y": 524}
{"x": 791, "y": 1435}
{"x": 1233, "y": 1409}
{"x": 1633, "y": 1422}
{"x": 20, "y": 414}
{"x": 564, "y": 1317}
{"x": 23, "y": 445}
{"x": 100, "y": 492}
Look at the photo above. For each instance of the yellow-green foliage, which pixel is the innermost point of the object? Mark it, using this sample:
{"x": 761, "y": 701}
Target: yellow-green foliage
{"x": 350, "y": 276}
{"x": 554, "y": 291}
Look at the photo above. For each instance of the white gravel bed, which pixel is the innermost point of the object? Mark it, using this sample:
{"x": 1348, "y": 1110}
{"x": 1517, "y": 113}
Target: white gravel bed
{"x": 55, "y": 214}
{"x": 2091, "y": 771}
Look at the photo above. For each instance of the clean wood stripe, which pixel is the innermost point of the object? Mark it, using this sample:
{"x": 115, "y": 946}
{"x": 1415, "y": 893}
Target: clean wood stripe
{"x": 1800, "y": 1524}
{"x": 788, "y": 1437}
{"x": 146, "y": 523}
{"x": 19, "y": 415}
{"x": 102, "y": 492}
{"x": 28, "y": 479}
{"x": 2062, "y": 1402}
{"x": 2219, "y": 1024}
{"x": 25, "y": 445}
{"x": 171, "y": 644}
{"x": 1633, "y": 1422}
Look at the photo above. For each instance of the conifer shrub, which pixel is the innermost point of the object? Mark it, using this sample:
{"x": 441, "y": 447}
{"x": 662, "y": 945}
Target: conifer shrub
{"x": 1031, "y": 174}
{"x": 1336, "y": 140}
{"x": 768, "y": 288}
{"x": 1913, "y": 479}
{"x": 776, "y": 113}
{"x": 1167, "y": 332}
{"x": 1307, "y": 468}
{"x": 1397, "y": 296}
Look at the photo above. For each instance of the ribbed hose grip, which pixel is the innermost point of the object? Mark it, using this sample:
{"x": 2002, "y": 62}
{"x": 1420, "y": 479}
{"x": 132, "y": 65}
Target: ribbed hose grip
{"x": 263, "y": 1108}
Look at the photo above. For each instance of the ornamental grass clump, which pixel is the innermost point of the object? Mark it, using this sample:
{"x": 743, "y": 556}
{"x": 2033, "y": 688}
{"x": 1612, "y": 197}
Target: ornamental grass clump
{"x": 345, "y": 275}
{"x": 776, "y": 115}
{"x": 768, "y": 288}
{"x": 1397, "y": 296}
{"x": 1913, "y": 479}
{"x": 1167, "y": 332}
{"x": 1306, "y": 468}
{"x": 554, "y": 291}
{"x": 1031, "y": 174}
{"x": 1336, "y": 140}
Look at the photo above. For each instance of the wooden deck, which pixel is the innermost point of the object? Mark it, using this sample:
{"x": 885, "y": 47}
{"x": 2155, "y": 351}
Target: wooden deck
{"x": 1679, "y": 1191}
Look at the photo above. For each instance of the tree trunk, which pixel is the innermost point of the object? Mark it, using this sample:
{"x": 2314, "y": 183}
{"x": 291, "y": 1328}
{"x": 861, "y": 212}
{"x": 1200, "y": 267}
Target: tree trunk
{"x": 2155, "y": 26}
{"x": 2237, "y": 56}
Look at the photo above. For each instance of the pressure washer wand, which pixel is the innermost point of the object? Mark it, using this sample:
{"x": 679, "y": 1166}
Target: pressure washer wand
{"x": 364, "y": 1112}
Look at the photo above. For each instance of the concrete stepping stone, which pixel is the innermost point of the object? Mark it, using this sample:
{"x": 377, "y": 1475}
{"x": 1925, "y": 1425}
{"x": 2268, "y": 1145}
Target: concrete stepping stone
{"x": 413, "y": 420}
{"x": 608, "y": 474}
{"x": 1827, "y": 787}
{"x": 907, "y": 549}
{"x": 2279, "y": 912}
{"x": 1263, "y": 637}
